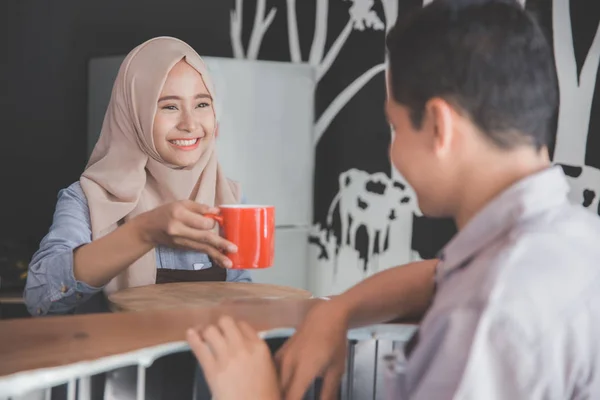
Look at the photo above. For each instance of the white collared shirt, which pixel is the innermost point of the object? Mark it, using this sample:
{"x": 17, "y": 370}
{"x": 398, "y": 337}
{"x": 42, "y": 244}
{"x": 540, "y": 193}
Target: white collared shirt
{"x": 516, "y": 314}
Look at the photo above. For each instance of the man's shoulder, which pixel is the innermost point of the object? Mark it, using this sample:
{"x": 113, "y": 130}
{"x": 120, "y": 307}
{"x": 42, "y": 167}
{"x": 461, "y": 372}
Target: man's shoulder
{"x": 564, "y": 243}
{"x": 538, "y": 275}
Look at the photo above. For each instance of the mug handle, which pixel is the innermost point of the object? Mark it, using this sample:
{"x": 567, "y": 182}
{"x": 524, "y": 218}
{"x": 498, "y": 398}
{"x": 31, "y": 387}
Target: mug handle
{"x": 218, "y": 218}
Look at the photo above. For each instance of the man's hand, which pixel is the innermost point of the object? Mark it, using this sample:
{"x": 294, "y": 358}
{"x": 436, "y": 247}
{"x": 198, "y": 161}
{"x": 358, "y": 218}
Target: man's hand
{"x": 317, "y": 348}
{"x": 237, "y": 363}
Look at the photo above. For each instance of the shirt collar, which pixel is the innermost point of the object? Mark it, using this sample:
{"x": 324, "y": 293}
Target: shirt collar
{"x": 529, "y": 196}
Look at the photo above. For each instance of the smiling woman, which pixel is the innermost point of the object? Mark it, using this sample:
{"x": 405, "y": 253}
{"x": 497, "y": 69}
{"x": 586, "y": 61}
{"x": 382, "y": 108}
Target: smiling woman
{"x": 136, "y": 216}
{"x": 184, "y": 122}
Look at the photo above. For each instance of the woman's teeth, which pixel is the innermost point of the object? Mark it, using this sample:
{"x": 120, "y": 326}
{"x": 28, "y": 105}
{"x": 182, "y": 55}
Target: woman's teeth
{"x": 184, "y": 143}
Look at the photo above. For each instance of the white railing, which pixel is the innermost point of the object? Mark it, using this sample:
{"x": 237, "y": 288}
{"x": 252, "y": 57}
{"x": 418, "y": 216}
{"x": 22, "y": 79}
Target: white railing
{"x": 363, "y": 380}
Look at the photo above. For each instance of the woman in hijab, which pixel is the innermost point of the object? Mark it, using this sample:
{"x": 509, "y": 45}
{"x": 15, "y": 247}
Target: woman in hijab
{"x": 135, "y": 217}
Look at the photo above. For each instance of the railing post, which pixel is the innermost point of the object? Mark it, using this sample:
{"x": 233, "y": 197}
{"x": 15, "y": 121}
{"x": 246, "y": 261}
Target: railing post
{"x": 141, "y": 382}
{"x": 71, "y": 389}
{"x": 84, "y": 388}
{"x": 348, "y": 382}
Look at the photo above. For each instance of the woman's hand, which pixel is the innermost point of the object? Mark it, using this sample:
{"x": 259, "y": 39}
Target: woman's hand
{"x": 237, "y": 363}
{"x": 182, "y": 224}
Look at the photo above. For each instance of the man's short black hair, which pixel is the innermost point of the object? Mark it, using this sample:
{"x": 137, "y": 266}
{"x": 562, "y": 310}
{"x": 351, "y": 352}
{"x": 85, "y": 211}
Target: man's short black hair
{"x": 488, "y": 58}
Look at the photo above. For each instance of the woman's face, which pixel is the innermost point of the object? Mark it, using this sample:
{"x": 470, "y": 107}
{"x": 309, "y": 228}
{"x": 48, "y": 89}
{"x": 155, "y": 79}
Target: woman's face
{"x": 184, "y": 123}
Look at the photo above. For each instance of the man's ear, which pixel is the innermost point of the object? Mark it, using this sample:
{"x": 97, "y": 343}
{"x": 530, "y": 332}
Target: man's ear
{"x": 442, "y": 119}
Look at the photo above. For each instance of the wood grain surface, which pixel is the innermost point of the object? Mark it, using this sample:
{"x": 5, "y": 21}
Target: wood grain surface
{"x": 190, "y": 294}
{"x": 29, "y": 344}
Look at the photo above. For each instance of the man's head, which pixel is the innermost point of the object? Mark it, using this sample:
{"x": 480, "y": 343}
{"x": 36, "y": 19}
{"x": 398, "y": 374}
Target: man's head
{"x": 469, "y": 83}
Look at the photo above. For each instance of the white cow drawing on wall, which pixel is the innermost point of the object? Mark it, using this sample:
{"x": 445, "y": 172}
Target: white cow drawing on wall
{"x": 375, "y": 202}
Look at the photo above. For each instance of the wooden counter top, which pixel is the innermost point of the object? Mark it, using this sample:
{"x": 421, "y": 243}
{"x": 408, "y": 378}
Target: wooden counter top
{"x": 29, "y": 344}
{"x": 190, "y": 294}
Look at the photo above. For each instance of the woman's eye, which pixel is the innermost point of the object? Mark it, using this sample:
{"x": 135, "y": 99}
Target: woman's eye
{"x": 169, "y": 108}
{"x": 203, "y": 105}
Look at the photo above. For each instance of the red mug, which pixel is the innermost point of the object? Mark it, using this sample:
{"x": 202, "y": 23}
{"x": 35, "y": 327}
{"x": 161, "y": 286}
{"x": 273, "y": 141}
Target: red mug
{"x": 252, "y": 229}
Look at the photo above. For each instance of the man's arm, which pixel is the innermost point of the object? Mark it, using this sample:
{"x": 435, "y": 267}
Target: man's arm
{"x": 403, "y": 292}
{"x": 319, "y": 345}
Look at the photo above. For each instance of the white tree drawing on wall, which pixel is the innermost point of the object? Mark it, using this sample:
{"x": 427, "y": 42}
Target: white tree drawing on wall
{"x": 361, "y": 17}
{"x": 259, "y": 28}
{"x": 576, "y": 96}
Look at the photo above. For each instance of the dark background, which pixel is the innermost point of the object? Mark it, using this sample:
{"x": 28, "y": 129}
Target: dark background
{"x": 45, "y": 47}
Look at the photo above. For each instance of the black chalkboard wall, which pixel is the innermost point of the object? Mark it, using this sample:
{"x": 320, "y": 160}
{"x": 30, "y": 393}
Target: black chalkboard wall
{"x": 46, "y": 46}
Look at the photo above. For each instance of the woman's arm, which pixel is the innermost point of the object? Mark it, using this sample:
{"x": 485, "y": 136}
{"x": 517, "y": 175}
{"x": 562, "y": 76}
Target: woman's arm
{"x": 51, "y": 287}
{"x": 98, "y": 262}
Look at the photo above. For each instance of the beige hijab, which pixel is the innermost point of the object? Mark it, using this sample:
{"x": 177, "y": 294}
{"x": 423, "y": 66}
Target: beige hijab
{"x": 125, "y": 176}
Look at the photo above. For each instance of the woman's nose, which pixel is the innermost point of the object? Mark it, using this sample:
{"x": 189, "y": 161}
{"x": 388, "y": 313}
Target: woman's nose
{"x": 187, "y": 122}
